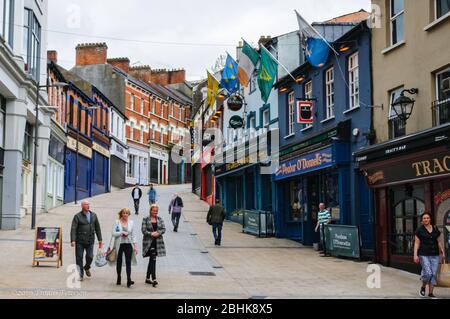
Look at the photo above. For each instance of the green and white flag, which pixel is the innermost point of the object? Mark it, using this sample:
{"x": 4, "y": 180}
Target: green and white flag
{"x": 267, "y": 74}
{"x": 248, "y": 59}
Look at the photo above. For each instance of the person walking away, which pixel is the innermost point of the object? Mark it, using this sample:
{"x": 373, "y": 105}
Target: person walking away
{"x": 85, "y": 225}
{"x": 136, "y": 194}
{"x": 151, "y": 195}
{"x": 323, "y": 218}
{"x": 153, "y": 229}
{"x": 215, "y": 218}
{"x": 427, "y": 248}
{"x": 124, "y": 242}
{"x": 175, "y": 208}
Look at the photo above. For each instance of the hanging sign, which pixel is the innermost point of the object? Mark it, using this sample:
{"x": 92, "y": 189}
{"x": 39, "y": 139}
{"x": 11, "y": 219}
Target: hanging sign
{"x": 236, "y": 122}
{"x": 235, "y": 103}
{"x": 305, "y": 114}
{"x": 48, "y": 246}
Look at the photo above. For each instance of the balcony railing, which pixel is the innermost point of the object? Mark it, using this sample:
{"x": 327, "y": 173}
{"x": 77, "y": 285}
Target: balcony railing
{"x": 441, "y": 112}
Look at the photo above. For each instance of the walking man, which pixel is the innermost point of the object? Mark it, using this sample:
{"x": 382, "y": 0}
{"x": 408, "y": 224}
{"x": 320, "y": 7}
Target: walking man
{"x": 151, "y": 195}
{"x": 85, "y": 226}
{"x": 175, "y": 207}
{"x": 136, "y": 193}
{"x": 215, "y": 218}
{"x": 323, "y": 218}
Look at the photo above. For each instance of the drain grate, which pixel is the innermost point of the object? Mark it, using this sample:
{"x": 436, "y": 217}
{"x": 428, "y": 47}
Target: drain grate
{"x": 203, "y": 274}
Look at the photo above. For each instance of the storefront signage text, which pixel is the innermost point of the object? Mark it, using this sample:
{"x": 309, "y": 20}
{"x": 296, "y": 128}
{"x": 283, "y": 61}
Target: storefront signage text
{"x": 101, "y": 150}
{"x": 433, "y": 167}
{"x": 307, "y": 163}
{"x": 84, "y": 150}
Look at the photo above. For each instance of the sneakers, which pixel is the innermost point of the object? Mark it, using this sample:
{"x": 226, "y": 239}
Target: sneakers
{"x": 422, "y": 292}
{"x": 432, "y": 296}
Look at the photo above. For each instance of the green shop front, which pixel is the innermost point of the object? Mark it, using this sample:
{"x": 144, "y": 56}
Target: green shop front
{"x": 316, "y": 171}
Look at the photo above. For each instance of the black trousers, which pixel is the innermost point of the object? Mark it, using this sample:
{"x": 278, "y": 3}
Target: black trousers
{"x": 176, "y": 220}
{"x": 136, "y": 205}
{"x": 126, "y": 249}
{"x": 151, "y": 269}
{"x": 79, "y": 254}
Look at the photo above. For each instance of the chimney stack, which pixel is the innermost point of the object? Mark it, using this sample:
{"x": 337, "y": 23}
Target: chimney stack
{"x": 143, "y": 73}
{"x": 121, "y": 63}
{"x": 52, "y": 55}
{"x": 91, "y": 54}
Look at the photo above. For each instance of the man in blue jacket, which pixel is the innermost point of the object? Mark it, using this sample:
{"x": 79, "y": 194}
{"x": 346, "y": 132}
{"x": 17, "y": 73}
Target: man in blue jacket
{"x": 152, "y": 195}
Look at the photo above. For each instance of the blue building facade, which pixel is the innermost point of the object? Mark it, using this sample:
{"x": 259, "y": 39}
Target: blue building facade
{"x": 316, "y": 162}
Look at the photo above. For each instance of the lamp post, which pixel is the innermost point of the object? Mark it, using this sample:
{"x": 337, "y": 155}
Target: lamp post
{"x": 36, "y": 132}
{"x": 403, "y": 106}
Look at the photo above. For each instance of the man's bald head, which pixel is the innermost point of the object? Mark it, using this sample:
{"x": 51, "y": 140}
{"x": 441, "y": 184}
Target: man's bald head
{"x": 85, "y": 206}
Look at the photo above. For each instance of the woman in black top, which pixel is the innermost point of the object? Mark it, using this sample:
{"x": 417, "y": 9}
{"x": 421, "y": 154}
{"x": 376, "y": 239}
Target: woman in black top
{"x": 427, "y": 248}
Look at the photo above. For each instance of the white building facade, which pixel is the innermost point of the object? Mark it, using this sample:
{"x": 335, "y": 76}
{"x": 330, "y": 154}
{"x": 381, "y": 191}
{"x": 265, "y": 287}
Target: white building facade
{"x": 22, "y": 66}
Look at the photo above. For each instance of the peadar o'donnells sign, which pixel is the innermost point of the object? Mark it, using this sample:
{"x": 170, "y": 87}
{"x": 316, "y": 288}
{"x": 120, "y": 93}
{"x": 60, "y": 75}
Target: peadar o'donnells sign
{"x": 236, "y": 122}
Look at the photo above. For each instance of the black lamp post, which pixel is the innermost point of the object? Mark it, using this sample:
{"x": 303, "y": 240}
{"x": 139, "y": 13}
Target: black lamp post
{"x": 404, "y": 105}
{"x": 36, "y": 132}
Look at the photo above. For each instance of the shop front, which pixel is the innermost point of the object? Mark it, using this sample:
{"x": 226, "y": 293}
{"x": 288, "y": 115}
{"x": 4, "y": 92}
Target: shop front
{"x": 159, "y": 166}
{"x": 119, "y": 160}
{"x": 55, "y": 168}
{"x": 77, "y": 170}
{"x": 100, "y": 172}
{"x": 208, "y": 189}
{"x": 410, "y": 176}
{"x": 305, "y": 181}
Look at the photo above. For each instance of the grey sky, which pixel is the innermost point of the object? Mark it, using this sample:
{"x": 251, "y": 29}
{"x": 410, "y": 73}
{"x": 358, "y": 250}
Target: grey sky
{"x": 198, "y": 31}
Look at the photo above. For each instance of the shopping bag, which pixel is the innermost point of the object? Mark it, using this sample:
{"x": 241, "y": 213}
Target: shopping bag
{"x": 111, "y": 256}
{"x": 100, "y": 259}
{"x": 443, "y": 276}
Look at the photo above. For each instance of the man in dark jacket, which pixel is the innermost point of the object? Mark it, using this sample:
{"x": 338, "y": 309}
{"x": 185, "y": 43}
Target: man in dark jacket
{"x": 136, "y": 194}
{"x": 85, "y": 226}
{"x": 216, "y": 216}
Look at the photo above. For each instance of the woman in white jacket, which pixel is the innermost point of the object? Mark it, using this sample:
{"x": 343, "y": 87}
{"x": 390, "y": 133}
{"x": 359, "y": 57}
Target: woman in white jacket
{"x": 124, "y": 242}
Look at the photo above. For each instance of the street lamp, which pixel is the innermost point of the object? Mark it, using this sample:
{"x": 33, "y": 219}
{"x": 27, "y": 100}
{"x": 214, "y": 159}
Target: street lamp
{"x": 36, "y": 132}
{"x": 404, "y": 105}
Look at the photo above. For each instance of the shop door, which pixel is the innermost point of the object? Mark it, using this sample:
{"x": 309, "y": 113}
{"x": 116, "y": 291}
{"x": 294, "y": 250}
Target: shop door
{"x": 154, "y": 163}
{"x": 250, "y": 192}
{"x": 407, "y": 206}
{"x": 313, "y": 201}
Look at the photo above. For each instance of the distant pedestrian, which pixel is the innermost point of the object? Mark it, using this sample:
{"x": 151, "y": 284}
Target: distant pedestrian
{"x": 153, "y": 246}
{"x": 323, "y": 218}
{"x": 175, "y": 208}
{"x": 85, "y": 226}
{"x": 124, "y": 242}
{"x": 427, "y": 248}
{"x": 215, "y": 218}
{"x": 151, "y": 195}
{"x": 136, "y": 194}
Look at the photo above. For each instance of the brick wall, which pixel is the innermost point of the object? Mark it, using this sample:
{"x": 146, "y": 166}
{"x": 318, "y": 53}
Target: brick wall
{"x": 91, "y": 54}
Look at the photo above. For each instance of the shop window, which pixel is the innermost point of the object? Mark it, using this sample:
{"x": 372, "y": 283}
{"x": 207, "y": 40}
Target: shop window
{"x": 397, "y": 16}
{"x": 296, "y": 201}
{"x": 441, "y": 107}
{"x": 131, "y": 165}
{"x": 291, "y": 113}
{"x": 50, "y": 180}
{"x": 442, "y": 8}
{"x": 83, "y": 173}
{"x": 331, "y": 182}
{"x": 407, "y": 207}
{"x": 60, "y": 183}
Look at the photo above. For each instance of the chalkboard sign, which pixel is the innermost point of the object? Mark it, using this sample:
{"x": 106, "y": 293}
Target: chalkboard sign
{"x": 48, "y": 246}
{"x": 252, "y": 223}
{"x": 343, "y": 241}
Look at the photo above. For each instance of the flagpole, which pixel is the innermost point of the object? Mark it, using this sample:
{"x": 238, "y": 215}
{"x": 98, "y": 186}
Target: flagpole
{"x": 317, "y": 32}
{"x": 281, "y": 64}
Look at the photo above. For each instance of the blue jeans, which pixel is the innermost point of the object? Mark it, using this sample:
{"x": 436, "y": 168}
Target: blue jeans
{"x": 430, "y": 267}
{"x": 217, "y": 231}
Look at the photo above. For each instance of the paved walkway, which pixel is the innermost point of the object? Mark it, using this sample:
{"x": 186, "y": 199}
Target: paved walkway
{"x": 244, "y": 267}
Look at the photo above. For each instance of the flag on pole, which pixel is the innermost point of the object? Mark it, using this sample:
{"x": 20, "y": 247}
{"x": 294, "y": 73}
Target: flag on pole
{"x": 213, "y": 89}
{"x": 248, "y": 59}
{"x": 230, "y": 75}
{"x": 267, "y": 73}
{"x": 317, "y": 49}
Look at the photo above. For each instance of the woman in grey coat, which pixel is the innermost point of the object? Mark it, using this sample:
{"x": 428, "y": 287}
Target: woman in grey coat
{"x": 153, "y": 246}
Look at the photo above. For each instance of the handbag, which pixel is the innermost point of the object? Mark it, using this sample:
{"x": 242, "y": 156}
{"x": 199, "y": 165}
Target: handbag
{"x": 443, "y": 275}
{"x": 111, "y": 254}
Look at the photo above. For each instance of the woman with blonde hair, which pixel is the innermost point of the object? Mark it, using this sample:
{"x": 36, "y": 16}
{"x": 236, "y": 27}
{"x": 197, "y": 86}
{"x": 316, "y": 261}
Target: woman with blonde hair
{"x": 124, "y": 242}
{"x": 153, "y": 229}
